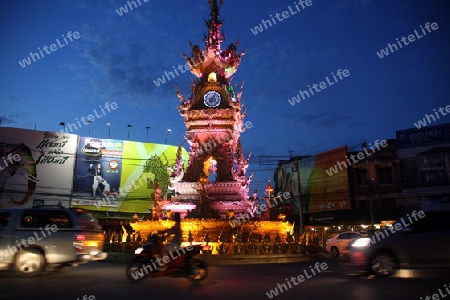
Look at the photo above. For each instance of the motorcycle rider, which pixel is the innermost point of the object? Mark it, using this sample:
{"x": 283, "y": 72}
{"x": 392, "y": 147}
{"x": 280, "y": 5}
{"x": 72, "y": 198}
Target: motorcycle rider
{"x": 175, "y": 243}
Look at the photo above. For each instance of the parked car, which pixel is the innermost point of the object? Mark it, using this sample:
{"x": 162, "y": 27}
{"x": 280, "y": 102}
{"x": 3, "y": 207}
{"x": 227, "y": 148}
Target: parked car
{"x": 419, "y": 240}
{"x": 339, "y": 244}
{"x": 33, "y": 239}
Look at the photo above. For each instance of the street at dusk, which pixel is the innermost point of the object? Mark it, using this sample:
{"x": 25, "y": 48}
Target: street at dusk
{"x": 107, "y": 281}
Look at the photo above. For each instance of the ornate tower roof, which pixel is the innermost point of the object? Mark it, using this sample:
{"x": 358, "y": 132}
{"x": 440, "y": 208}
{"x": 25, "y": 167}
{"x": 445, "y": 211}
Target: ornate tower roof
{"x": 214, "y": 121}
{"x": 226, "y": 61}
{"x": 215, "y": 37}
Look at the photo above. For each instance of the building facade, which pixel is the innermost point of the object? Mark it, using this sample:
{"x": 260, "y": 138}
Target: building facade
{"x": 391, "y": 178}
{"x": 425, "y": 167}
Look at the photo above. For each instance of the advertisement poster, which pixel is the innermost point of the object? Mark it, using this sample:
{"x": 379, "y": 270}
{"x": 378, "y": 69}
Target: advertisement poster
{"x": 117, "y": 175}
{"x": 148, "y": 171}
{"x": 319, "y": 191}
{"x": 306, "y": 166}
{"x": 329, "y": 193}
{"x": 36, "y": 167}
{"x": 98, "y": 167}
{"x": 286, "y": 180}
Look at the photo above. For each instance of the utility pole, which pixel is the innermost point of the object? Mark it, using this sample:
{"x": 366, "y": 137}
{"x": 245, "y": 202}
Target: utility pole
{"x": 370, "y": 187}
{"x": 300, "y": 219}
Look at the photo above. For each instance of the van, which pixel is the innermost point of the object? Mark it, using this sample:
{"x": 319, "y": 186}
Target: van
{"x": 33, "y": 240}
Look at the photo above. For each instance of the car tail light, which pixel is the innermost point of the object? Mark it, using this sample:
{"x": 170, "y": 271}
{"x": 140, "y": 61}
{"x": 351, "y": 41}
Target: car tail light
{"x": 80, "y": 237}
{"x": 78, "y": 243}
{"x": 358, "y": 258}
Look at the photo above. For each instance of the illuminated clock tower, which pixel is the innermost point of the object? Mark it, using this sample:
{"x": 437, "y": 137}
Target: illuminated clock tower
{"x": 213, "y": 115}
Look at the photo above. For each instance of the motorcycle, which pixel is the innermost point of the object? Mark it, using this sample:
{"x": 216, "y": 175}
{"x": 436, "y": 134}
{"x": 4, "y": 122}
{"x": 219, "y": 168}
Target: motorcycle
{"x": 183, "y": 264}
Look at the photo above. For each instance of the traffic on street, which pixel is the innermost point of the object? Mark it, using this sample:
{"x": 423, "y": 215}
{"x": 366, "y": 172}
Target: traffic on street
{"x": 328, "y": 278}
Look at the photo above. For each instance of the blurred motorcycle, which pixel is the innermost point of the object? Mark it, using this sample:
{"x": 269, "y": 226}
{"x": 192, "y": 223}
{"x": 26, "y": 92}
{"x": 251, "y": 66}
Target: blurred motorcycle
{"x": 181, "y": 262}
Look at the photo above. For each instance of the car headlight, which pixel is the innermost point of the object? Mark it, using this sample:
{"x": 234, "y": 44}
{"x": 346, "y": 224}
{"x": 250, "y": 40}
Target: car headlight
{"x": 138, "y": 250}
{"x": 361, "y": 242}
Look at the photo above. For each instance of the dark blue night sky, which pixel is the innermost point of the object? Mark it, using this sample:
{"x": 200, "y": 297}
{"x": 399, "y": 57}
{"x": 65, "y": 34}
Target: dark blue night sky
{"x": 117, "y": 58}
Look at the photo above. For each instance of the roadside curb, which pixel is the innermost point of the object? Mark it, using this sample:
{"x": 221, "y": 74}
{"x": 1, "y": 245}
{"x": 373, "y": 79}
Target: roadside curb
{"x": 219, "y": 260}
{"x": 250, "y": 259}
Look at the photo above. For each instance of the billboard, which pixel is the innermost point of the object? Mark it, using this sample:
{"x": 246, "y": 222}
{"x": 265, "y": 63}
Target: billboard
{"x": 319, "y": 191}
{"x": 97, "y": 172}
{"x": 327, "y": 192}
{"x": 115, "y": 175}
{"x": 145, "y": 168}
{"x": 424, "y": 154}
{"x": 51, "y": 168}
{"x": 425, "y": 137}
{"x": 286, "y": 181}
{"x": 36, "y": 167}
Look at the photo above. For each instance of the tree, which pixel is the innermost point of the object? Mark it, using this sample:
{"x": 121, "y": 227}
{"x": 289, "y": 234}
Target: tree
{"x": 155, "y": 166}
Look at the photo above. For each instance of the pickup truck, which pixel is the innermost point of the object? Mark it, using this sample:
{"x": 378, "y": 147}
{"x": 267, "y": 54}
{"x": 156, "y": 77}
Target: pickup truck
{"x": 33, "y": 240}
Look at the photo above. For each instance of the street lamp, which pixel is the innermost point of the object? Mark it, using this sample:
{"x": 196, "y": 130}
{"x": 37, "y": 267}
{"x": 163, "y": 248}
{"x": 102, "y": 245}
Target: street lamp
{"x": 147, "y": 127}
{"x": 63, "y": 125}
{"x": 129, "y": 126}
{"x": 167, "y": 136}
{"x": 90, "y": 123}
{"x": 268, "y": 189}
{"x": 370, "y": 187}
{"x": 109, "y": 129}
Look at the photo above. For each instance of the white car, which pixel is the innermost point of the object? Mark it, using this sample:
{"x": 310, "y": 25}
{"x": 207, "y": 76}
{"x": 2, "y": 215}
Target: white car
{"x": 340, "y": 243}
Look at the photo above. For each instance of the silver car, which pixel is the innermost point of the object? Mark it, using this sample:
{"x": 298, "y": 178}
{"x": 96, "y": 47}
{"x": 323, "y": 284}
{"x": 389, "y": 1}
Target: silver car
{"x": 33, "y": 239}
{"x": 420, "y": 239}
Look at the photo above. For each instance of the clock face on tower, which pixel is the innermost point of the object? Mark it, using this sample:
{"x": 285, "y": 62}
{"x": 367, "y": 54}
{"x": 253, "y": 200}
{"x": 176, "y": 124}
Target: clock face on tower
{"x": 212, "y": 99}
